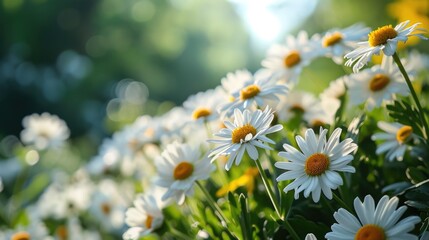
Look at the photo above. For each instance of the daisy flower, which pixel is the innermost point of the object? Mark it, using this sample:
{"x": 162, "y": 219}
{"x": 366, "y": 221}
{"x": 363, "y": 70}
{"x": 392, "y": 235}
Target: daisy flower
{"x": 202, "y": 107}
{"x": 396, "y": 137}
{"x": 376, "y": 85}
{"x": 144, "y": 217}
{"x": 247, "y": 132}
{"x": 234, "y": 82}
{"x": 316, "y": 168}
{"x": 336, "y": 89}
{"x": 44, "y": 131}
{"x": 338, "y": 42}
{"x": 322, "y": 112}
{"x": 179, "y": 166}
{"x": 32, "y": 231}
{"x": 108, "y": 203}
{"x": 255, "y": 93}
{"x": 287, "y": 61}
{"x": 373, "y": 222}
{"x": 296, "y": 102}
{"x": 385, "y": 39}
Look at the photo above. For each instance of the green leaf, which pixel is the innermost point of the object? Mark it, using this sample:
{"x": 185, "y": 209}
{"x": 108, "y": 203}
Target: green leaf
{"x": 270, "y": 228}
{"x": 404, "y": 113}
{"x": 246, "y": 225}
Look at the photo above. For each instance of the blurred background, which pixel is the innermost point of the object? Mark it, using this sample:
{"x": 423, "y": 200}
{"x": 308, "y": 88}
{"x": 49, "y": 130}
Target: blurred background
{"x": 99, "y": 64}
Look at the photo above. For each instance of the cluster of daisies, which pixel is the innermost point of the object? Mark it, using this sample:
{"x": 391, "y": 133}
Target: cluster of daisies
{"x": 185, "y": 155}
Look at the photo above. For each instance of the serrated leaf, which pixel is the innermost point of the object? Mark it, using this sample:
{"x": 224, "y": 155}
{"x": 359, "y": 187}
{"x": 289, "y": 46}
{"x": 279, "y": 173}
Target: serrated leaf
{"x": 404, "y": 113}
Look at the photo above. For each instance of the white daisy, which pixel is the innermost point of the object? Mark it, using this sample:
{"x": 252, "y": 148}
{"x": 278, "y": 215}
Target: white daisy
{"x": 66, "y": 196}
{"x": 255, "y": 93}
{"x": 202, "y": 107}
{"x": 338, "y": 42}
{"x": 144, "y": 217}
{"x": 376, "y": 85}
{"x": 336, "y": 89}
{"x": 179, "y": 166}
{"x": 373, "y": 222}
{"x": 32, "y": 231}
{"x": 315, "y": 170}
{"x": 287, "y": 61}
{"x": 322, "y": 112}
{"x": 44, "y": 131}
{"x": 108, "y": 203}
{"x": 35, "y": 229}
{"x": 248, "y": 131}
{"x": 385, "y": 39}
{"x": 296, "y": 102}
{"x": 234, "y": 82}
{"x": 396, "y": 137}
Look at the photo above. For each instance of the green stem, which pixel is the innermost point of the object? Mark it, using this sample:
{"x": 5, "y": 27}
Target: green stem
{"x": 341, "y": 202}
{"x": 414, "y": 95}
{"x": 274, "y": 202}
{"x": 213, "y": 204}
{"x": 290, "y": 229}
{"x": 269, "y": 190}
{"x": 177, "y": 234}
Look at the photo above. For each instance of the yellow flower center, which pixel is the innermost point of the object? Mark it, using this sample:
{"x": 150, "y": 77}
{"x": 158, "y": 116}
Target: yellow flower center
{"x": 318, "y": 123}
{"x": 183, "y": 170}
{"x": 292, "y": 59}
{"x": 133, "y": 144}
{"x": 378, "y": 82}
{"x": 332, "y": 39}
{"x": 148, "y": 222}
{"x": 201, "y": 112}
{"x": 403, "y": 133}
{"x": 21, "y": 236}
{"x": 316, "y": 164}
{"x": 239, "y": 134}
{"x": 62, "y": 232}
{"x": 249, "y": 92}
{"x": 370, "y": 232}
{"x": 381, "y": 35}
{"x": 105, "y": 208}
{"x": 150, "y": 132}
{"x": 296, "y": 108}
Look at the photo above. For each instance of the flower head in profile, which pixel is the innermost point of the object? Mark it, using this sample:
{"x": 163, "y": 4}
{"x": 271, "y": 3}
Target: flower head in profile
{"x": 396, "y": 137}
{"x": 338, "y": 42}
{"x": 179, "y": 166}
{"x": 286, "y": 61}
{"x": 296, "y": 103}
{"x": 202, "y": 107}
{"x": 144, "y": 217}
{"x": 245, "y": 134}
{"x": 34, "y": 229}
{"x": 373, "y": 222}
{"x": 257, "y": 92}
{"x": 376, "y": 85}
{"x": 385, "y": 39}
{"x": 315, "y": 168}
{"x": 44, "y": 131}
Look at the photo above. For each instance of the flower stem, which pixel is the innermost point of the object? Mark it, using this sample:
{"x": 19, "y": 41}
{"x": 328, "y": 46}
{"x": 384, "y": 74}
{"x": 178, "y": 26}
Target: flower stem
{"x": 292, "y": 232}
{"x": 274, "y": 201}
{"x": 414, "y": 95}
{"x": 213, "y": 204}
{"x": 341, "y": 202}
{"x": 269, "y": 190}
